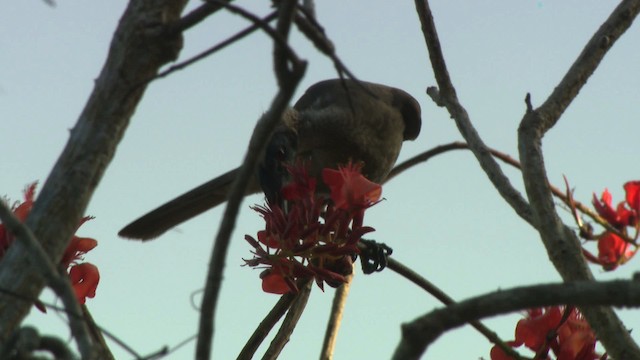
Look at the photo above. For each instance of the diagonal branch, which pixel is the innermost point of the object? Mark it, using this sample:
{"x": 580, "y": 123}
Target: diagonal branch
{"x": 57, "y": 282}
{"x": 436, "y": 292}
{"x": 447, "y": 97}
{"x": 138, "y": 49}
{"x": 261, "y": 332}
{"x": 421, "y": 332}
{"x": 562, "y": 244}
{"x": 289, "y": 323}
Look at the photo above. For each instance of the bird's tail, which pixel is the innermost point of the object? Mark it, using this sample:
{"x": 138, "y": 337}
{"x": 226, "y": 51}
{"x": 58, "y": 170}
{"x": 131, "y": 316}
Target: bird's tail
{"x": 184, "y": 207}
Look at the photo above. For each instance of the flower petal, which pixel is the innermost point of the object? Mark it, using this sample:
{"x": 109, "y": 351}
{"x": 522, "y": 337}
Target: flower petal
{"x": 84, "y": 279}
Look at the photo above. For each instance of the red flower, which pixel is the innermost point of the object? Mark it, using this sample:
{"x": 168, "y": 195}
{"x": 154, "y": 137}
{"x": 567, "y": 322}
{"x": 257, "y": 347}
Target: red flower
{"x": 350, "y": 189}
{"x": 21, "y": 211}
{"x": 569, "y": 336}
{"x": 576, "y": 340}
{"x": 312, "y": 239}
{"x": 301, "y": 186}
{"x": 632, "y": 188}
{"x": 618, "y": 217}
{"x": 533, "y": 330}
{"x": 84, "y": 277}
{"x": 498, "y": 354}
{"x": 612, "y": 251}
{"x": 78, "y": 247}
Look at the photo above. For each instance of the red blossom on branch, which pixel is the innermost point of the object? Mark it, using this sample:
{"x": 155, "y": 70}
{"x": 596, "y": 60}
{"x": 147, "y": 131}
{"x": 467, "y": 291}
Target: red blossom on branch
{"x": 560, "y": 330}
{"x": 316, "y": 237}
{"x": 84, "y": 276}
{"x": 617, "y": 247}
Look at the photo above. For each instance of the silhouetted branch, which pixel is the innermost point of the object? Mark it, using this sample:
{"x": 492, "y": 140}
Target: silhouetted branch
{"x": 214, "y": 49}
{"x": 290, "y": 322}
{"x": 423, "y": 331}
{"x": 335, "y": 319}
{"x": 436, "y": 292}
{"x": 195, "y": 17}
{"x": 261, "y": 332}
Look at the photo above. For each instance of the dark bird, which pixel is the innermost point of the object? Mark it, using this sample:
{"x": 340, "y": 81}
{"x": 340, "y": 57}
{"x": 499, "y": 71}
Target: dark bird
{"x": 334, "y": 122}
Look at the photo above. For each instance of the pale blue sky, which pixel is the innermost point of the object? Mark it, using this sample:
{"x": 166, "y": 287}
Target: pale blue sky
{"x": 444, "y": 219}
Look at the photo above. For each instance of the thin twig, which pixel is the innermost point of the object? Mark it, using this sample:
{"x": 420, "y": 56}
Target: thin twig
{"x": 195, "y": 17}
{"x": 335, "y": 319}
{"x": 214, "y": 49}
{"x": 290, "y": 322}
{"x": 261, "y": 332}
{"x": 420, "y": 333}
{"x": 506, "y": 158}
{"x": 308, "y": 26}
{"x": 436, "y": 292}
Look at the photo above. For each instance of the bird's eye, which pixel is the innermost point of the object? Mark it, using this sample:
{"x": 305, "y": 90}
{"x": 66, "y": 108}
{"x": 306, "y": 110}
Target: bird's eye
{"x": 281, "y": 154}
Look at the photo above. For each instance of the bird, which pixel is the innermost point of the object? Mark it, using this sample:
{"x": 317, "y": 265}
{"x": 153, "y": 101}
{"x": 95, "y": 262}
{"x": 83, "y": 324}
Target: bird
{"x": 336, "y": 121}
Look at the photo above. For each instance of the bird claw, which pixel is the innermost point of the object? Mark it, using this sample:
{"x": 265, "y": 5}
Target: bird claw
{"x": 374, "y": 256}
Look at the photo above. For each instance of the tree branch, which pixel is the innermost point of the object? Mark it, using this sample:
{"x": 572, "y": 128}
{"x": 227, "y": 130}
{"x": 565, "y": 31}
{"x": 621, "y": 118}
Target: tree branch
{"x": 139, "y": 47}
{"x": 447, "y": 97}
{"x": 288, "y": 79}
{"x": 436, "y": 292}
{"x": 335, "y": 319}
{"x": 290, "y": 322}
{"x": 261, "y": 332}
{"x": 420, "y": 333}
{"x": 58, "y": 282}
{"x": 561, "y": 243}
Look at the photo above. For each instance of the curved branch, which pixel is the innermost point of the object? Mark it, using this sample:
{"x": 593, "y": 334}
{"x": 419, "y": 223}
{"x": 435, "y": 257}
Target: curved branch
{"x": 561, "y": 243}
{"x": 436, "y": 292}
{"x": 420, "y": 333}
{"x": 506, "y": 158}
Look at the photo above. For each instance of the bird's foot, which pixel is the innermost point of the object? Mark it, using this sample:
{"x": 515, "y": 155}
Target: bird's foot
{"x": 373, "y": 256}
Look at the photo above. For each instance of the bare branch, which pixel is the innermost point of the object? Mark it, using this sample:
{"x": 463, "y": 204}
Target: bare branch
{"x": 139, "y": 47}
{"x": 261, "y": 332}
{"x": 420, "y": 333}
{"x": 506, "y": 158}
{"x": 290, "y": 322}
{"x": 288, "y": 80}
{"x": 308, "y": 26}
{"x": 335, "y": 319}
{"x": 195, "y": 17}
{"x": 436, "y": 292}
{"x": 562, "y": 244}
{"x": 447, "y": 97}
{"x": 214, "y": 49}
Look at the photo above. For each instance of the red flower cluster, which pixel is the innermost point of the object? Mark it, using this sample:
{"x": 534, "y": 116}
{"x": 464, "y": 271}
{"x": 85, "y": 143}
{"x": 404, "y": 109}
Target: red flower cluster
{"x": 85, "y": 276}
{"x": 567, "y": 334}
{"x": 615, "y": 248}
{"x": 314, "y": 238}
